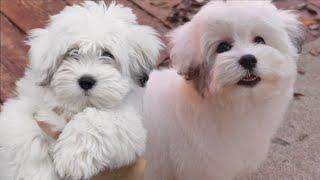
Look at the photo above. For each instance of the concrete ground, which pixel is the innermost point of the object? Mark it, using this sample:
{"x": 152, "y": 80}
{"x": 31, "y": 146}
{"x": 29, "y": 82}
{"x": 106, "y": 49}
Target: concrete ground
{"x": 295, "y": 149}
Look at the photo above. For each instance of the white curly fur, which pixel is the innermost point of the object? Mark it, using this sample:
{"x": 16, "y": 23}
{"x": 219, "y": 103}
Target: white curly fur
{"x": 105, "y": 129}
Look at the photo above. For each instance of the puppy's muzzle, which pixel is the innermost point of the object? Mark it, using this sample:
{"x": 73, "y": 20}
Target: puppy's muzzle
{"x": 86, "y": 82}
{"x": 249, "y": 62}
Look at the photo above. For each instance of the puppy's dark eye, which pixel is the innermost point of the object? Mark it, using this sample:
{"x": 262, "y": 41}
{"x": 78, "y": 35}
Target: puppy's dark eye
{"x": 259, "y": 40}
{"x": 107, "y": 54}
{"x": 223, "y": 47}
{"x": 73, "y": 53}
{"x": 143, "y": 80}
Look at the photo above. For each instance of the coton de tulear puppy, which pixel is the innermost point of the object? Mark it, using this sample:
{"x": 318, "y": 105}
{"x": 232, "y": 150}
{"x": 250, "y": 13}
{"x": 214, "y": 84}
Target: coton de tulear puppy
{"x": 236, "y": 62}
{"x": 88, "y": 68}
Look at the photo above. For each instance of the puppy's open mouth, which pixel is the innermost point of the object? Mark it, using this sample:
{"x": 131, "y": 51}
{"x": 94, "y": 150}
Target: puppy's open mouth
{"x": 249, "y": 80}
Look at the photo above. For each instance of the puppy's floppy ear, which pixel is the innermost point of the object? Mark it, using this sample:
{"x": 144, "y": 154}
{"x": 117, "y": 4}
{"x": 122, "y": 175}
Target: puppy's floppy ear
{"x": 183, "y": 51}
{"x": 44, "y": 55}
{"x": 146, "y": 49}
{"x": 294, "y": 28}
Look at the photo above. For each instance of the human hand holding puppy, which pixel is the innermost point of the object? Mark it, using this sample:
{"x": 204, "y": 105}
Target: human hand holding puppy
{"x": 51, "y": 121}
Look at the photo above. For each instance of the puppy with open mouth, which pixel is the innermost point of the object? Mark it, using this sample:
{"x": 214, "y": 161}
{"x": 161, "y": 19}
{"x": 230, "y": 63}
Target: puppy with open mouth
{"x": 87, "y": 71}
{"x": 213, "y": 115}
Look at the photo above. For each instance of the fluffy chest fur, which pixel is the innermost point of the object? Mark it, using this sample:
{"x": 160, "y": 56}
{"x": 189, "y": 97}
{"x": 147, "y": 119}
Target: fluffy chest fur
{"x": 197, "y": 139}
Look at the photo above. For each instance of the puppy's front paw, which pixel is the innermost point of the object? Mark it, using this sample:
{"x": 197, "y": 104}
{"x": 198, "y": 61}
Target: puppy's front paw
{"x": 74, "y": 161}
{"x": 75, "y": 151}
{"x": 94, "y": 140}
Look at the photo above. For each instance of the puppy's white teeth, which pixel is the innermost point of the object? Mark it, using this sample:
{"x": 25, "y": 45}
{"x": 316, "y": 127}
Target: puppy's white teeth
{"x": 249, "y": 77}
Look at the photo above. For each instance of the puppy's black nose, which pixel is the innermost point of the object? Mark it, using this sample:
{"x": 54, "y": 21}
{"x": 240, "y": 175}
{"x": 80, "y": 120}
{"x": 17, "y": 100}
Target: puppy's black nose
{"x": 248, "y": 62}
{"x": 86, "y": 82}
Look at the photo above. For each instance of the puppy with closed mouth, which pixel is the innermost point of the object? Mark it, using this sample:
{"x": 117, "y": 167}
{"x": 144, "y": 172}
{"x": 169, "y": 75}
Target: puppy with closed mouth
{"x": 87, "y": 71}
{"x": 212, "y": 116}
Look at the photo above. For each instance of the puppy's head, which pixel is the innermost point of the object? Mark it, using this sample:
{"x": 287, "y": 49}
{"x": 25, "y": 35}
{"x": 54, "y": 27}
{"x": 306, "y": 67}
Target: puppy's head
{"x": 93, "y": 54}
{"x": 238, "y": 47}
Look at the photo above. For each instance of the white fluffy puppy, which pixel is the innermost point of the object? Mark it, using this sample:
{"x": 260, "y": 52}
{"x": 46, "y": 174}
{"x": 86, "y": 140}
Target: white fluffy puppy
{"x": 88, "y": 66}
{"x": 237, "y": 66}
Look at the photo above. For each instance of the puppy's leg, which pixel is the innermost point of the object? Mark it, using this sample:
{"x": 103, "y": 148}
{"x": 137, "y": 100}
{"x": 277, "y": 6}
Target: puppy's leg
{"x": 24, "y": 147}
{"x": 95, "y": 140}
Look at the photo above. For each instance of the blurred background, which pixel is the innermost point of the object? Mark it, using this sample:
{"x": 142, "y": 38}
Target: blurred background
{"x": 295, "y": 151}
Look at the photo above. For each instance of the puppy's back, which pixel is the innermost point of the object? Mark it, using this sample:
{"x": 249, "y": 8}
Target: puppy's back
{"x": 160, "y": 95}
{"x": 159, "y": 115}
